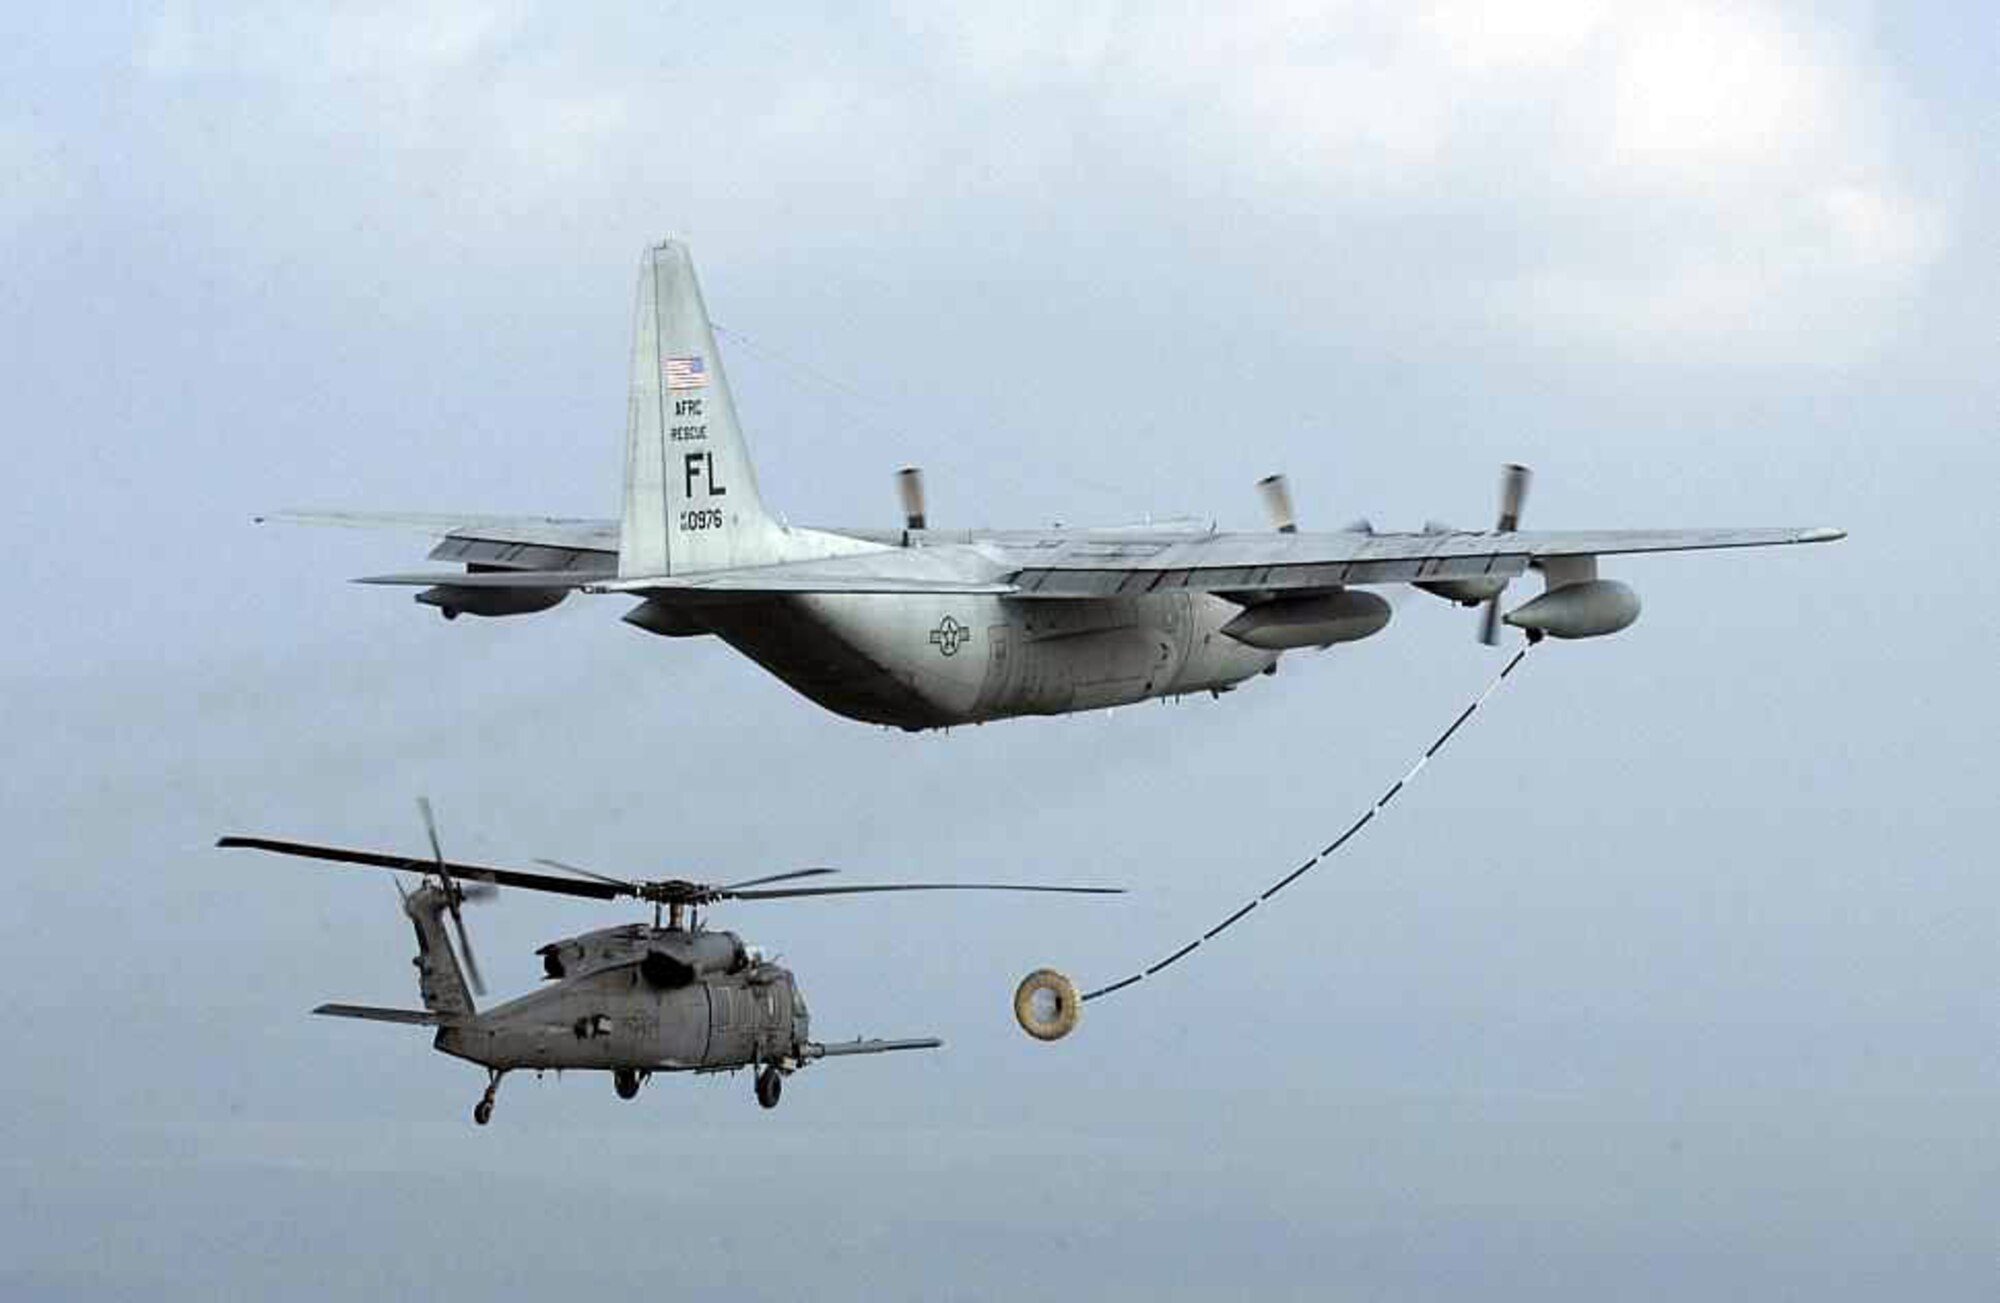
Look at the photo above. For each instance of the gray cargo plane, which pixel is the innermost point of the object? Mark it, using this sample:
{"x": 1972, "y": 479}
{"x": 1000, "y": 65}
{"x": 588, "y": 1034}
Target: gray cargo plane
{"x": 927, "y": 628}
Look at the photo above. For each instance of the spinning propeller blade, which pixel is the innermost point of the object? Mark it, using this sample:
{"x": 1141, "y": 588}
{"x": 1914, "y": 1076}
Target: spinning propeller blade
{"x": 431, "y": 830}
{"x": 910, "y": 487}
{"x": 1514, "y": 480}
{"x": 1277, "y": 493}
{"x": 472, "y": 976}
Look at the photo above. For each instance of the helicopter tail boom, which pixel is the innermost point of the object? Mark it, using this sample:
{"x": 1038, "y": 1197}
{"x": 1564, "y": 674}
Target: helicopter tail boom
{"x": 439, "y": 977}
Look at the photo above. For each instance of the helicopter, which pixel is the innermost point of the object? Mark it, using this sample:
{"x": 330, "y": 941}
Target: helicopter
{"x": 631, "y": 1000}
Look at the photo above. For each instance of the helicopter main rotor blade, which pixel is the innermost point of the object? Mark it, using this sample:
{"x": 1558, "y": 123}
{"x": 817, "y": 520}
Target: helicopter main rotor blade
{"x": 611, "y": 889}
{"x": 779, "y": 877}
{"x": 786, "y": 892}
{"x": 472, "y": 873}
{"x": 582, "y": 872}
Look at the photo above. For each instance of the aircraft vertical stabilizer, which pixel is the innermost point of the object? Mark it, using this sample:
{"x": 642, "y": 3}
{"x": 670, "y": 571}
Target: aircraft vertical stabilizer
{"x": 691, "y": 501}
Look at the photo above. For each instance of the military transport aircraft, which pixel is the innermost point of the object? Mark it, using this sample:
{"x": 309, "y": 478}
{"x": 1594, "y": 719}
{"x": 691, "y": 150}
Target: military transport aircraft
{"x": 927, "y": 628}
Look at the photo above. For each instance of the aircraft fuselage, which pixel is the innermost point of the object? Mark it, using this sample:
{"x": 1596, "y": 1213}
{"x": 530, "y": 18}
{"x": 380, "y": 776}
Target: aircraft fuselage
{"x": 921, "y": 662}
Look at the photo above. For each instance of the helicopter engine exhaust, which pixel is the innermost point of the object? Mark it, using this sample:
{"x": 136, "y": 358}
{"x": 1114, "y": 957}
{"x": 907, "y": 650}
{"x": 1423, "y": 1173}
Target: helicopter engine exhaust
{"x": 663, "y": 972}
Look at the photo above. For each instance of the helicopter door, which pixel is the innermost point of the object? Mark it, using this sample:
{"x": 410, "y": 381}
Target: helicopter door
{"x": 732, "y": 1024}
{"x": 774, "y": 1018}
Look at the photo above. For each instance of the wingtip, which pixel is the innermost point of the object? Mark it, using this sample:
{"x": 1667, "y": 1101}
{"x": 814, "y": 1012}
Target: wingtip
{"x": 1824, "y": 534}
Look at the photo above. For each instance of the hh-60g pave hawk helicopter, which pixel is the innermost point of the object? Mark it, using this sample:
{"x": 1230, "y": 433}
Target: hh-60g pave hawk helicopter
{"x": 630, "y": 1000}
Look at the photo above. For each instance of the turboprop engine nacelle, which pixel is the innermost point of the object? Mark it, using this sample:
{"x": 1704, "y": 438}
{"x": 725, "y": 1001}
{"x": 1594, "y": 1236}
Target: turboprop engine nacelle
{"x": 1315, "y": 621}
{"x": 1465, "y": 592}
{"x": 454, "y": 600}
{"x": 1589, "y": 609}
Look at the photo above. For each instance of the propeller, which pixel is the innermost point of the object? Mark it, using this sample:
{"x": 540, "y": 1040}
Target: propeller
{"x": 1277, "y": 493}
{"x": 910, "y": 487}
{"x": 453, "y": 894}
{"x": 1514, "y": 480}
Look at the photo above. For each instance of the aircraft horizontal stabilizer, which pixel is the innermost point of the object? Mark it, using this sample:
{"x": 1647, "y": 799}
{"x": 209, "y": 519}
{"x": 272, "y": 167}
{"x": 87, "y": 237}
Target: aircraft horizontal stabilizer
{"x": 552, "y": 531}
{"x": 370, "y": 1013}
{"x": 494, "y": 579}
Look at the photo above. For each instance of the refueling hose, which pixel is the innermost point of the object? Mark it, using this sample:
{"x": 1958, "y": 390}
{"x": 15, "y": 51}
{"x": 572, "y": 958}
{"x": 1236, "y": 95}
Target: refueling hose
{"x": 1049, "y": 1020}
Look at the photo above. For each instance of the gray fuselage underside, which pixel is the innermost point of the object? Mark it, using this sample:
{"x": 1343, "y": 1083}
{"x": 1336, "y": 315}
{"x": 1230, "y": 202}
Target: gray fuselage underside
{"x": 920, "y": 662}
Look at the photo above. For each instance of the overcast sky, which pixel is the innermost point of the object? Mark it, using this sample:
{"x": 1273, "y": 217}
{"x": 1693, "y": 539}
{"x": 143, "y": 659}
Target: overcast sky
{"x": 1674, "y": 978}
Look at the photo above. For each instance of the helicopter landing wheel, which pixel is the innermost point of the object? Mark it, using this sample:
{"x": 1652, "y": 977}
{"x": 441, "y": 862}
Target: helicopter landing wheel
{"x": 770, "y": 1085}
{"x": 626, "y": 1081}
{"x": 482, "y": 1112}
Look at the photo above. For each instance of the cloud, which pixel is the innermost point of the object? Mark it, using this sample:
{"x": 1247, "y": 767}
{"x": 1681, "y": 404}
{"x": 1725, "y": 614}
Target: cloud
{"x": 1733, "y": 180}
{"x": 1716, "y": 181}
{"x": 39, "y": 181}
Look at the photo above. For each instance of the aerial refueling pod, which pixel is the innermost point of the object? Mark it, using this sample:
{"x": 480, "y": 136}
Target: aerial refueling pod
{"x": 454, "y": 600}
{"x": 1575, "y": 603}
{"x": 1587, "y": 610}
{"x": 1345, "y": 615}
{"x": 1470, "y": 591}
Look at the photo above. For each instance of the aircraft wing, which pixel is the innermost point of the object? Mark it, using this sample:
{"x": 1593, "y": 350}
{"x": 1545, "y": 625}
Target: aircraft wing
{"x": 918, "y": 570}
{"x": 797, "y": 580}
{"x": 1274, "y": 562}
{"x": 1078, "y": 564}
{"x": 549, "y": 552}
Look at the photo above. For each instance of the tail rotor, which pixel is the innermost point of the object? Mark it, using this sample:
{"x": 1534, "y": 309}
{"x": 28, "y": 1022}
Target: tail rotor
{"x": 453, "y": 895}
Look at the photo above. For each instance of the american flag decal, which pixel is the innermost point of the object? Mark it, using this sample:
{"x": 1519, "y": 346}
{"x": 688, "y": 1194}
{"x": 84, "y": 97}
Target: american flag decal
{"x": 686, "y": 373}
